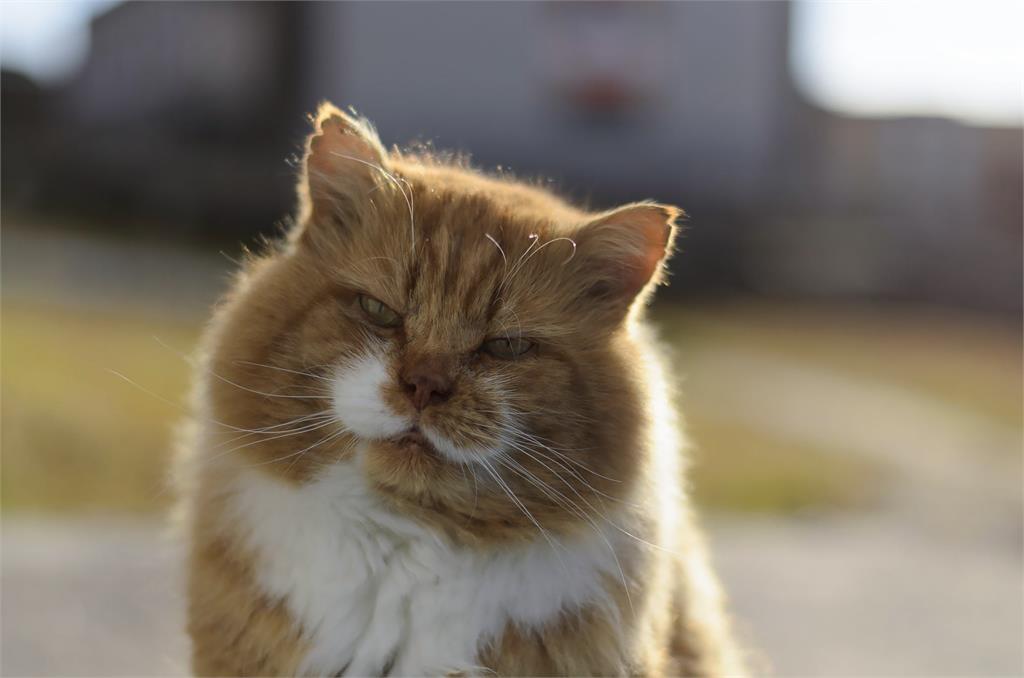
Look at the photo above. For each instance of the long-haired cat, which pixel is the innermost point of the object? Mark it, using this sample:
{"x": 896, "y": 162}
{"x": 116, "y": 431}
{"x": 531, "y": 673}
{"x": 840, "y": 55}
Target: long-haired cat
{"x": 432, "y": 436}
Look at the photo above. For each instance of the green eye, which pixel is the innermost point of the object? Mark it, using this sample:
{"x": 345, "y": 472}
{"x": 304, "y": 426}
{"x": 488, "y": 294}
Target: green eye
{"x": 508, "y": 347}
{"x": 378, "y": 312}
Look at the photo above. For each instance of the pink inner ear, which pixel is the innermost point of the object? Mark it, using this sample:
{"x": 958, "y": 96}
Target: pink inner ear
{"x": 338, "y": 146}
{"x": 657, "y": 231}
{"x": 637, "y": 239}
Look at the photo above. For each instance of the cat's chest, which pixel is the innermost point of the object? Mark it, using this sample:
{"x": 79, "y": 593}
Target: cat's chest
{"x": 374, "y": 591}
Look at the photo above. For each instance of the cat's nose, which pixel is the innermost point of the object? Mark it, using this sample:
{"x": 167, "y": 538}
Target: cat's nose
{"x": 427, "y": 383}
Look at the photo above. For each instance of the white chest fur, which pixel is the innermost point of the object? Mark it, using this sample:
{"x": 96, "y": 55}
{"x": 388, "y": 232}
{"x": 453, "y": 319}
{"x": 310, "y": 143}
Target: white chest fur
{"x": 372, "y": 589}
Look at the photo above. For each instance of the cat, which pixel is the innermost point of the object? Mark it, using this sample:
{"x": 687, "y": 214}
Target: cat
{"x": 432, "y": 435}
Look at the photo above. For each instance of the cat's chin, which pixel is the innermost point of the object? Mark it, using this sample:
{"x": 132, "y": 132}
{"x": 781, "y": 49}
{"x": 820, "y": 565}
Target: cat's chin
{"x": 408, "y": 443}
{"x": 406, "y": 465}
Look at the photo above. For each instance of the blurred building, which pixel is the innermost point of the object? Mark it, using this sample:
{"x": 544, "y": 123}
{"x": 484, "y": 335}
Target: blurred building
{"x": 175, "y": 118}
{"x": 186, "y": 112}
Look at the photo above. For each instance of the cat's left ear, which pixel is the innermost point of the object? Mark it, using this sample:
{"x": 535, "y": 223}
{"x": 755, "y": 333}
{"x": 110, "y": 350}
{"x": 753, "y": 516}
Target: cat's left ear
{"x": 622, "y": 253}
{"x": 344, "y": 161}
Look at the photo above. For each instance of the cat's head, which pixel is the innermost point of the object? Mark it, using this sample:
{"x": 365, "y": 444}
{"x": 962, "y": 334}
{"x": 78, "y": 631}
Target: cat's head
{"x": 464, "y": 342}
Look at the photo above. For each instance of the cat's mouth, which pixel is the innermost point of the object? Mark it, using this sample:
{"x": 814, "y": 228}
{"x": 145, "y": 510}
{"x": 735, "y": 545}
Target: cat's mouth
{"x": 432, "y": 443}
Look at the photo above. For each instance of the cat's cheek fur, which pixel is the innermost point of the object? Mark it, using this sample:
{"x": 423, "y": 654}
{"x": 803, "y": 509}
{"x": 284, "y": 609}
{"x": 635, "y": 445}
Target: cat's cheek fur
{"x": 357, "y": 393}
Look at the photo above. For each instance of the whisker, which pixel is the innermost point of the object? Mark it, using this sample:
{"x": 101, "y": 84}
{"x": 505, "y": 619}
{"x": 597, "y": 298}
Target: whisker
{"x": 279, "y": 436}
{"x": 302, "y": 451}
{"x": 503, "y": 257}
{"x": 575, "y": 510}
{"x": 209, "y": 371}
{"x": 560, "y": 454}
{"x": 576, "y": 475}
{"x": 534, "y": 239}
{"x": 303, "y": 396}
{"x": 476, "y": 496}
{"x": 391, "y": 177}
{"x": 270, "y": 429}
{"x": 314, "y": 445}
{"x": 536, "y": 440}
{"x": 596, "y": 511}
{"x": 519, "y": 504}
{"x": 549, "y": 242}
{"x": 282, "y": 369}
{"x": 176, "y": 405}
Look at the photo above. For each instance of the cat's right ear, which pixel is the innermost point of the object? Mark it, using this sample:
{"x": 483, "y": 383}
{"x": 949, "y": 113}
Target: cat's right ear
{"x": 344, "y": 160}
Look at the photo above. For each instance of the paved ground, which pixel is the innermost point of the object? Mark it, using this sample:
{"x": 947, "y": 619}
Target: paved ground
{"x": 817, "y": 597}
{"x": 869, "y": 598}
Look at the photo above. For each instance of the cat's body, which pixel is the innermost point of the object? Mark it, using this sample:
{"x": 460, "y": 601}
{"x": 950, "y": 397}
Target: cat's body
{"x": 432, "y": 436}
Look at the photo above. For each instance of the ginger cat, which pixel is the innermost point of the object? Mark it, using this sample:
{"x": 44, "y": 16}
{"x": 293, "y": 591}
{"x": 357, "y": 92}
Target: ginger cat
{"x": 432, "y": 435}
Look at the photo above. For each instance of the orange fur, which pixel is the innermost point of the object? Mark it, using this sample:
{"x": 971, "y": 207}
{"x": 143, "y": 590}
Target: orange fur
{"x": 462, "y": 258}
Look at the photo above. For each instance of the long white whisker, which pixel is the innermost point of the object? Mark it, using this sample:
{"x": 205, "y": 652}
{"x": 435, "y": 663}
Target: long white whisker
{"x": 576, "y": 475}
{"x": 595, "y": 510}
{"x": 303, "y": 396}
{"x": 282, "y": 369}
{"x": 549, "y": 242}
{"x": 536, "y": 441}
{"x": 391, "y": 177}
{"x": 223, "y": 453}
{"x": 304, "y": 450}
{"x": 503, "y": 257}
{"x": 304, "y": 421}
{"x": 209, "y": 371}
{"x": 534, "y": 239}
{"x": 178, "y": 406}
{"x": 574, "y": 508}
{"x": 519, "y": 504}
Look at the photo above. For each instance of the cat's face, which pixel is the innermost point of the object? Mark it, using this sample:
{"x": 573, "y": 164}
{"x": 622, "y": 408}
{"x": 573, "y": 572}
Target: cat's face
{"x": 462, "y": 342}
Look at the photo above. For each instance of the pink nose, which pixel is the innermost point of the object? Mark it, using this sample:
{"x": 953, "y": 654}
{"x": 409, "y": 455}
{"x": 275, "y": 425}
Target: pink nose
{"x": 427, "y": 383}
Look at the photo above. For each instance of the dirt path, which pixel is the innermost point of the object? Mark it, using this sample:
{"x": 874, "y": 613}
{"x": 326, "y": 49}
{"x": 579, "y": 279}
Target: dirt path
{"x": 947, "y": 470}
{"x": 929, "y": 582}
{"x": 863, "y": 597}
{"x": 90, "y": 598}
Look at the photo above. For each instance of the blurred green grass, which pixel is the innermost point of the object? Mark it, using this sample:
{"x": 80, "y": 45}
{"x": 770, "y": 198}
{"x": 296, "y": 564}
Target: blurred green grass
{"x": 968, "y": 362}
{"x": 739, "y": 468}
{"x": 76, "y": 437}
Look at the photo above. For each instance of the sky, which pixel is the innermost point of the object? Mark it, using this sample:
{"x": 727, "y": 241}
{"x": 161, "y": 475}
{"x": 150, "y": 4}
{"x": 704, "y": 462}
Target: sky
{"x": 46, "y": 39}
{"x": 962, "y": 59}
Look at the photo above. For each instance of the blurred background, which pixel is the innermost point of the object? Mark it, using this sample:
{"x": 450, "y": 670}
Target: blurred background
{"x": 844, "y": 317}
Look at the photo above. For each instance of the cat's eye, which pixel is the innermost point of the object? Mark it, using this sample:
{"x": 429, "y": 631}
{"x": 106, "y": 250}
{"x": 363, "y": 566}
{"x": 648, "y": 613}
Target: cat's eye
{"x": 508, "y": 347}
{"x": 378, "y": 312}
